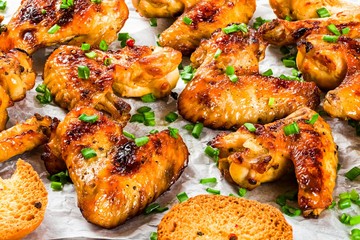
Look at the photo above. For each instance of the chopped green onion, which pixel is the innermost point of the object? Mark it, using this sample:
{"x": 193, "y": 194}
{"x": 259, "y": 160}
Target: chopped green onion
{"x": 230, "y": 70}
{"x": 149, "y": 123}
{"x": 153, "y": 236}
{"x": 3, "y": 5}
{"x": 235, "y": 28}
{"x": 151, "y": 208}
{"x": 258, "y": 22}
{"x": 129, "y": 135}
{"x": 43, "y": 11}
{"x": 289, "y": 63}
{"x": 182, "y": 197}
{"x": 83, "y": 72}
{"x": 345, "y": 218}
{"x": 242, "y": 192}
{"x": 107, "y": 61}
{"x": 149, "y": 116}
{"x": 332, "y": 28}
{"x": 173, "y": 132}
{"x": 40, "y": 88}
{"x": 144, "y": 109}
{"x": 96, "y": 1}
{"x": 54, "y": 29}
{"x": 313, "y": 119}
{"x": 197, "y": 130}
{"x": 355, "y": 234}
{"x": 288, "y": 18}
{"x": 187, "y": 74}
{"x": 344, "y": 195}
{"x": 85, "y": 47}
{"x": 123, "y": 37}
{"x": 45, "y": 97}
{"x": 354, "y": 220}
{"x": 271, "y": 102}
{"x": 290, "y": 78}
{"x": 212, "y": 152}
{"x": 344, "y": 203}
{"x": 137, "y": 118}
{"x": 62, "y": 177}
{"x": 70, "y": 2}
{"x": 217, "y": 53}
{"x": 292, "y": 128}
{"x": 153, "y": 131}
{"x": 187, "y": 20}
{"x": 171, "y": 117}
{"x": 141, "y": 141}
{"x": 330, "y": 38}
{"x": 353, "y": 173}
{"x": 268, "y": 73}
{"x": 88, "y": 153}
{"x": 345, "y": 31}
{"x": 88, "y": 118}
{"x": 250, "y": 127}
{"x": 64, "y": 6}
{"x": 291, "y": 211}
{"x": 189, "y": 127}
{"x": 148, "y": 98}
{"x": 233, "y": 78}
{"x": 354, "y": 195}
{"x": 232, "y": 195}
{"x": 103, "y": 45}
{"x": 56, "y": 186}
{"x": 213, "y": 191}
{"x": 91, "y": 54}
{"x": 208, "y": 180}
{"x": 332, "y": 205}
{"x": 323, "y": 12}
{"x": 153, "y": 22}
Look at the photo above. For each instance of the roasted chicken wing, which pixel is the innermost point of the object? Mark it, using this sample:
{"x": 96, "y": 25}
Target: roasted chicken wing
{"x": 134, "y": 71}
{"x": 5, "y": 102}
{"x": 202, "y": 20}
{"x": 48, "y": 22}
{"x": 212, "y": 98}
{"x": 251, "y": 158}
{"x": 25, "y": 136}
{"x": 162, "y": 8}
{"x": 306, "y": 9}
{"x": 74, "y": 80}
{"x": 16, "y": 73}
{"x": 120, "y": 178}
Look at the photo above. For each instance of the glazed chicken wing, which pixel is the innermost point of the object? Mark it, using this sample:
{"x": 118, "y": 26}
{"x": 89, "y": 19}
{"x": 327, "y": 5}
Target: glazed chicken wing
{"x": 43, "y": 23}
{"x": 121, "y": 179}
{"x": 206, "y": 16}
{"x": 162, "y": 8}
{"x": 16, "y": 73}
{"x": 306, "y": 9}
{"x": 82, "y": 82}
{"x": 251, "y": 158}
{"x": 25, "y": 136}
{"x": 5, "y": 102}
{"x": 135, "y": 71}
{"x": 213, "y": 99}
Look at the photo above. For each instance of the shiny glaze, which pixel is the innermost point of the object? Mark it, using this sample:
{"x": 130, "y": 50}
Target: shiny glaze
{"x": 249, "y": 159}
{"x": 162, "y": 8}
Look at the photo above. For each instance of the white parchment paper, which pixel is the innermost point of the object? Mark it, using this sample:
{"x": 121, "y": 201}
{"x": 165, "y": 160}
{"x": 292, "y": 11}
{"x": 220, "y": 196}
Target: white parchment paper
{"x": 63, "y": 218}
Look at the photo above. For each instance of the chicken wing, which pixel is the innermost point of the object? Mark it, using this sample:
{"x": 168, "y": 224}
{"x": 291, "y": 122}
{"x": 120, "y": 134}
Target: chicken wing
{"x": 5, "y": 102}
{"x": 123, "y": 178}
{"x": 306, "y": 9}
{"x": 211, "y": 98}
{"x": 206, "y": 16}
{"x": 136, "y": 71}
{"x": 162, "y": 8}
{"x": 43, "y": 23}
{"x": 82, "y": 82}
{"x": 25, "y": 136}
{"x": 251, "y": 158}
{"x": 16, "y": 73}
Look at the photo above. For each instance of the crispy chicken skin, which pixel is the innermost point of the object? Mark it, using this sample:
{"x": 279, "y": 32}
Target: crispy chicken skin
{"x": 211, "y": 98}
{"x": 25, "y": 136}
{"x": 85, "y": 21}
{"x": 281, "y": 32}
{"x": 69, "y": 90}
{"x": 251, "y": 158}
{"x": 123, "y": 178}
{"x": 206, "y": 16}
{"x": 5, "y": 102}
{"x": 306, "y": 9}
{"x": 16, "y": 73}
{"x": 162, "y": 8}
{"x": 344, "y": 101}
{"x": 136, "y": 71}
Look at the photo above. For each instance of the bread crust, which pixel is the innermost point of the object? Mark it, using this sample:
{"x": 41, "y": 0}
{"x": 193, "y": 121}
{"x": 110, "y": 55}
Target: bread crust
{"x": 223, "y": 217}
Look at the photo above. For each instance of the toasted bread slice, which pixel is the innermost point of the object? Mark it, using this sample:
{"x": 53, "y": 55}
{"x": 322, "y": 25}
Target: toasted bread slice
{"x": 223, "y": 217}
{"x": 23, "y": 201}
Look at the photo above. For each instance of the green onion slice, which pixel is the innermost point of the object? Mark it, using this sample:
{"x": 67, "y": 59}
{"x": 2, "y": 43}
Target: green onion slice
{"x": 171, "y": 117}
{"x": 154, "y": 131}
{"x": 148, "y": 98}
{"x": 332, "y": 28}
{"x": 54, "y": 29}
{"x": 88, "y": 118}
{"x": 242, "y": 192}
{"x": 345, "y": 31}
{"x": 88, "y": 153}
{"x": 235, "y": 28}
{"x": 250, "y": 127}
{"x": 137, "y": 118}
{"x": 323, "y": 12}
{"x": 289, "y": 63}
{"x": 213, "y": 191}
{"x": 153, "y": 22}
{"x": 345, "y": 218}
{"x": 268, "y": 73}
{"x": 187, "y": 20}
{"x": 83, "y": 72}
{"x": 197, "y": 130}
{"x": 143, "y": 109}
{"x": 271, "y": 101}
{"x": 174, "y": 132}
{"x": 91, "y": 55}
{"x": 354, "y": 220}
{"x": 153, "y": 236}
{"x": 352, "y": 173}
{"x": 129, "y": 135}
{"x": 141, "y": 141}
{"x": 85, "y": 47}
{"x": 103, "y": 45}
{"x": 233, "y": 78}
{"x": 155, "y": 207}
{"x": 217, "y": 53}
{"x": 291, "y": 211}
{"x": 189, "y": 127}
{"x": 107, "y": 61}
{"x": 182, "y": 197}
{"x": 344, "y": 203}
{"x": 212, "y": 152}
{"x": 292, "y": 128}
{"x": 56, "y": 186}
{"x": 208, "y": 180}
{"x": 330, "y": 38}
{"x": 313, "y": 119}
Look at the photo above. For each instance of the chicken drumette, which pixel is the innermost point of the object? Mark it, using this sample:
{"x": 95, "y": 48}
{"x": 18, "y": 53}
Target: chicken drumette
{"x": 48, "y": 22}
{"x": 119, "y": 179}
{"x": 251, "y": 158}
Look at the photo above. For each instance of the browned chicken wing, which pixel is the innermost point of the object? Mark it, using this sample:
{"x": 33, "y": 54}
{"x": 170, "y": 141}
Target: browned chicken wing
{"x": 162, "y": 8}
{"x": 25, "y": 136}
{"x": 251, "y": 158}
{"x": 212, "y": 98}
{"x": 5, "y": 102}
{"x": 136, "y": 71}
{"x": 123, "y": 178}
{"x": 306, "y": 9}
{"x": 16, "y": 73}
{"x": 43, "y": 23}
{"x": 82, "y": 82}
{"x": 206, "y": 16}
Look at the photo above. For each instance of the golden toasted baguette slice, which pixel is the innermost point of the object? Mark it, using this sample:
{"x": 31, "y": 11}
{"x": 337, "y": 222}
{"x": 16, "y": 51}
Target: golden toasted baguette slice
{"x": 223, "y": 217}
{"x": 23, "y": 201}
